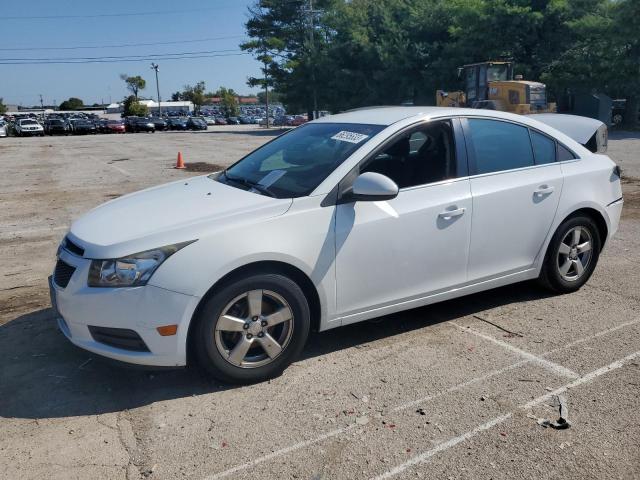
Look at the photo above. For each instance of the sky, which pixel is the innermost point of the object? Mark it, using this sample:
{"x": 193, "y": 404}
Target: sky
{"x": 210, "y": 27}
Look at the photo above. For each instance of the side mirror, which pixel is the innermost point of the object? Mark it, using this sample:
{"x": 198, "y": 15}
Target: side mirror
{"x": 373, "y": 187}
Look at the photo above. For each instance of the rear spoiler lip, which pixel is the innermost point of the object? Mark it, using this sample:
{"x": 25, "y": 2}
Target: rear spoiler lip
{"x": 580, "y": 129}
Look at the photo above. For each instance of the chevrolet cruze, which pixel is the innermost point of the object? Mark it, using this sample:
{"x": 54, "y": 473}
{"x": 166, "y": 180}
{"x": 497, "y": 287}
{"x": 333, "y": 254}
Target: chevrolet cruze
{"x": 346, "y": 218}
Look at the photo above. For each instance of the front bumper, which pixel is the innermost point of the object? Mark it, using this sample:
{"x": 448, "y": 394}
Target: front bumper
{"x": 141, "y": 309}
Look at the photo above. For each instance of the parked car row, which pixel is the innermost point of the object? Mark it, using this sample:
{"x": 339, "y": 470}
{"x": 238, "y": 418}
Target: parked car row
{"x": 84, "y": 124}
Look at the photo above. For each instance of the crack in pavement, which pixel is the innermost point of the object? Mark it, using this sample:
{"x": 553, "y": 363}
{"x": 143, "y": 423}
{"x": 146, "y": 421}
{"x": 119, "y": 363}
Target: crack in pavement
{"x": 127, "y": 439}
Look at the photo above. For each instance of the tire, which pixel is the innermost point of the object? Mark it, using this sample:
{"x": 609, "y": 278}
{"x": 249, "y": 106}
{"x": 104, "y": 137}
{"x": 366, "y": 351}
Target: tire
{"x": 215, "y": 339}
{"x": 578, "y": 253}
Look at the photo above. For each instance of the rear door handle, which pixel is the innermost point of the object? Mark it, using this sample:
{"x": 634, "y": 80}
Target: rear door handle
{"x": 544, "y": 190}
{"x": 448, "y": 214}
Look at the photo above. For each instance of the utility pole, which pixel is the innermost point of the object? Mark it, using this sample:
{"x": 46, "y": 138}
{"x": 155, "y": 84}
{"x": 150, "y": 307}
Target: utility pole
{"x": 266, "y": 92}
{"x": 314, "y": 91}
{"x": 154, "y": 66}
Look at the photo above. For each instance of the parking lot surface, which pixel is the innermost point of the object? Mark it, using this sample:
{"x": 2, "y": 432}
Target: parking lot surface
{"x": 453, "y": 390}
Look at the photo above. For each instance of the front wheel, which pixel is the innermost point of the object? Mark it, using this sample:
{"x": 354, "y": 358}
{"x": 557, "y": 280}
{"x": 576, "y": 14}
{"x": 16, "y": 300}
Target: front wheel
{"x": 572, "y": 255}
{"x": 252, "y": 328}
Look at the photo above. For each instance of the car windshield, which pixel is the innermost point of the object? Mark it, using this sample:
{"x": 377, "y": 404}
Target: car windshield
{"x": 114, "y": 122}
{"x": 294, "y": 164}
{"x": 28, "y": 122}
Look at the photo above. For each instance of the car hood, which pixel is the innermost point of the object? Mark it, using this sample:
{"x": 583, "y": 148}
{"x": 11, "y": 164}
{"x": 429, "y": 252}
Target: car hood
{"x": 175, "y": 212}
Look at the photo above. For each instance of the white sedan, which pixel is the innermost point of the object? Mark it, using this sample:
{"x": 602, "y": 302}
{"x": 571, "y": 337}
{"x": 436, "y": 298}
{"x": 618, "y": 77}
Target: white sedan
{"x": 27, "y": 127}
{"x": 344, "y": 219}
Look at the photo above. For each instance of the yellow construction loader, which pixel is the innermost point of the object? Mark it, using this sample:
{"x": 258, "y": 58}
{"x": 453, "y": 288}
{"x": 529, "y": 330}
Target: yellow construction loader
{"x": 491, "y": 85}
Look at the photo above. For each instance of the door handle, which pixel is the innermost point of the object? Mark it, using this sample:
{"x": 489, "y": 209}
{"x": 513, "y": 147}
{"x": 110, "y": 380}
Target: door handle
{"x": 544, "y": 190}
{"x": 448, "y": 214}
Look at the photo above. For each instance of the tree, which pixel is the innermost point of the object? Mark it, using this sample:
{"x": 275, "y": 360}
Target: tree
{"x": 177, "y": 97}
{"x": 3, "y": 107}
{"x": 228, "y": 101}
{"x": 605, "y": 55}
{"x": 134, "y": 84}
{"x": 194, "y": 94}
{"x": 290, "y": 43}
{"x": 134, "y": 108}
{"x": 274, "y": 97}
{"x": 73, "y": 103}
{"x": 355, "y": 53}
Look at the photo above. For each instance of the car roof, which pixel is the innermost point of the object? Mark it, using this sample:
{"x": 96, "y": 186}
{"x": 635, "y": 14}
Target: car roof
{"x": 390, "y": 115}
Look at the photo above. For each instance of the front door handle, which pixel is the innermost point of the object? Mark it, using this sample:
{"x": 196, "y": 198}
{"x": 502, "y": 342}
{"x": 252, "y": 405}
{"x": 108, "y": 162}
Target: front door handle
{"x": 544, "y": 190}
{"x": 448, "y": 214}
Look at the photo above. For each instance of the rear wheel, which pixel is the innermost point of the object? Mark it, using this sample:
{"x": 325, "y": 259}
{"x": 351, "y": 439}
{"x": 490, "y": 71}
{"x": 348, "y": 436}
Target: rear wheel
{"x": 252, "y": 328}
{"x": 572, "y": 255}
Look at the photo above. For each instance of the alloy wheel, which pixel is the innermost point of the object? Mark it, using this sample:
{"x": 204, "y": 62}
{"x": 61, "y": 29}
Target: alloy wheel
{"x": 574, "y": 253}
{"x": 254, "y": 328}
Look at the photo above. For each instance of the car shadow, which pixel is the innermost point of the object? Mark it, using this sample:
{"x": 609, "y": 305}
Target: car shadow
{"x": 42, "y": 375}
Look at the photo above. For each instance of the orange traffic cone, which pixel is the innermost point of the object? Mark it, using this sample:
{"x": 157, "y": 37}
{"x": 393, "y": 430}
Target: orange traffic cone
{"x": 180, "y": 162}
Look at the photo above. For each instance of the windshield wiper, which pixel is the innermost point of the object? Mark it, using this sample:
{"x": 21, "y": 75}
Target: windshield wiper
{"x": 254, "y": 185}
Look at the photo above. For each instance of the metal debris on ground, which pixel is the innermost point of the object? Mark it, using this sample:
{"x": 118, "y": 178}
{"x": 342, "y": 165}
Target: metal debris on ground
{"x": 509, "y": 333}
{"x": 563, "y": 420}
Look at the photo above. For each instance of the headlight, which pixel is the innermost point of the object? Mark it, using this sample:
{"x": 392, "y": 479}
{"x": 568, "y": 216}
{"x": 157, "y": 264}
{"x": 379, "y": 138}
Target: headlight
{"x": 131, "y": 271}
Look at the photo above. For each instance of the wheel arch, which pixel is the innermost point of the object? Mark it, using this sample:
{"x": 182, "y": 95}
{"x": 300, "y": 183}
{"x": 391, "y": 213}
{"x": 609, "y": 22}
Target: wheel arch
{"x": 265, "y": 266}
{"x": 597, "y": 217}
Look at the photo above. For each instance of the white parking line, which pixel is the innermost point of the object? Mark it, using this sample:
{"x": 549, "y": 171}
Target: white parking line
{"x": 554, "y": 367}
{"x": 13, "y": 234}
{"x": 121, "y": 170}
{"x": 497, "y": 420}
{"x": 282, "y": 451}
{"x": 499, "y": 371}
{"x": 413, "y": 403}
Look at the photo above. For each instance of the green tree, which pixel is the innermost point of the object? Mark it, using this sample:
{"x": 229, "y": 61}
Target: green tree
{"x": 289, "y": 41}
{"x": 274, "y": 97}
{"x": 73, "y": 103}
{"x": 134, "y": 84}
{"x": 134, "y": 108}
{"x": 195, "y": 94}
{"x": 366, "y": 52}
{"x": 605, "y": 55}
{"x": 228, "y": 101}
{"x": 177, "y": 97}
{"x": 3, "y": 107}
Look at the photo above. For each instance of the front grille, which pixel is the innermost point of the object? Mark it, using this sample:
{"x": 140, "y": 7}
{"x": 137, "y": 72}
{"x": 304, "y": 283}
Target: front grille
{"x": 62, "y": 273}
{"x": 119, "y": 338}
{"x": 72, "y": 247}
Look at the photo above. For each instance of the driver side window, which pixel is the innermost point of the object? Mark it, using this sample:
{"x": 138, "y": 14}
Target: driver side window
{"x": 421, "y": 156}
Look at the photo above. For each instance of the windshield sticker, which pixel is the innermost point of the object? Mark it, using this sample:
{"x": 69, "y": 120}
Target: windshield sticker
{"x": 271, "y": 178}
{"x": 351, "y": 137}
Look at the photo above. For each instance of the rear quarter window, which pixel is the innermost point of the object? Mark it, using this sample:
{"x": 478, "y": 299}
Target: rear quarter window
{"x": 565, "y": 154}
{"x": 544, "y": 148}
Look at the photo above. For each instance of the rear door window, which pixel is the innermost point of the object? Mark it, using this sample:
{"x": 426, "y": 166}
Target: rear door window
{"x": 500, "y": 146}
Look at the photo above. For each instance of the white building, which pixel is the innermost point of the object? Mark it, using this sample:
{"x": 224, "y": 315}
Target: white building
{"x": 182, "y": 107}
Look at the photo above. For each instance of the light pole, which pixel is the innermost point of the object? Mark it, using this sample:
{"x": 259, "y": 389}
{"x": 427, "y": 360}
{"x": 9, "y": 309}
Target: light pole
{"x": 154, "y": 66}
